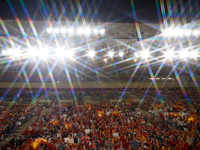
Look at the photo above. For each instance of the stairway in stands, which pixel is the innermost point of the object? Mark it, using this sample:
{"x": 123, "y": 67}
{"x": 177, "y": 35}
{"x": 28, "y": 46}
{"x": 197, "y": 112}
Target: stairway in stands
{"x": 30, "y": 121}
{"x": 21, "y": 128}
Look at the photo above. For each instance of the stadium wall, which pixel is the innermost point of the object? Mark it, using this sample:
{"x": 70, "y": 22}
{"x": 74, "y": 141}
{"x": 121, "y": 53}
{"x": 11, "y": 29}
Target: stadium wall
{"x": 93, "y": 84}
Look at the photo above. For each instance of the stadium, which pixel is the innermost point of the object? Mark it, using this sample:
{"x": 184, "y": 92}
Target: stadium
{"x": 99, "y": 75}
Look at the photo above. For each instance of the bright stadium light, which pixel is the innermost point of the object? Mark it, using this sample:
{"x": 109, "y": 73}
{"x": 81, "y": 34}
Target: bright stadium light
{"x": 43, "y": 53}
{"x": 3, "y": 52}
{"x": 80, "y": 31}
{"x": 87, "y": 31}
{"x": 63, "y": 30}
{"x": 183, "y": 54}
{"x": 111, "y": 54}
{"x": 60, "y": 52}
{"x": 194, "y": 54}
{"x": 196, "y": 32}
{"x": 32, "y": 52}
{"x": 49, "y": 30}
{"x": 145, "y": 54}
{"x": 121, "y": 54}
{"x": 187, "y": 32}
{"x": 56, "y": 30}
{"x": 169, "y": 54}
{"x": 69, "y": 53}
{"x": 70, "y": 30}
{"x": 91, "y": 53}
{"x": 16, "y": 53}
{"x": 136, "y": 54}
{"x": 102, "y": 31}
{"x": 95, "y": 31}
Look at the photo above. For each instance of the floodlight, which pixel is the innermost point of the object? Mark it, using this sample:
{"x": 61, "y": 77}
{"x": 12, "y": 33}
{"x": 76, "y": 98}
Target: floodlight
{"x": 16, "y": 53}
{"x": 194, "y": 54}
{"x": 136, "y": 54}
{"x": 95, "y": 31}
{"x": 49, "y": 30}
{"x": 3, "y": 52}
{"x": 91, "y": 53}
{"x": 63, "y": 30}
{"x": 135, "y": 60}
{"x": 105, "y": 60}
{"x": 69, "y": 53}
{"x": 87, "y": 31}
{"x": 121, "y": 54}
{"x": 169, "y": 54}
{"x": 56, "y": 30}
{"x": 196, "y": 32}
{"x": 102, "y": 31}
{"x": 187, "y": 32}
{"x": 144, "y": 54}
{"x": 60, "y": 52}
{"x": 32, "y": 52}
{"x": 111, "y": 54}
{"x": 80, "y": 31}
{"x": 167, "y": 32}
{"x": 9, "y": 52}
{"x": 43, "y": 53}
{"x": 184, "y": 54}
{"x": 70, "y": 30}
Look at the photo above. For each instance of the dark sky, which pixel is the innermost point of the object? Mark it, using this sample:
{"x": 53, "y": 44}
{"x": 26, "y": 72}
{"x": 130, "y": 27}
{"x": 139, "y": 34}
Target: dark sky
{"x": 100, "y": 10}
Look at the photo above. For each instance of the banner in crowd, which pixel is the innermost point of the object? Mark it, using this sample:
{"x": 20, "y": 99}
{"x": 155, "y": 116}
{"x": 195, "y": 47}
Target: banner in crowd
{"x": 56, "y": 122}
{"x": 100, "y": 112}
{"x": 130, "y": 99}
{"x": 177, "y": 106}
{"x": 88, "y": 106}
{"x": 36, "y": 144}
{"x": 192, "y": 119}
{"x": 128, "y": 104}
{"x": 68, "y": 125}
{"x": 174, "y": 114}
{"x": 115, "y": 112}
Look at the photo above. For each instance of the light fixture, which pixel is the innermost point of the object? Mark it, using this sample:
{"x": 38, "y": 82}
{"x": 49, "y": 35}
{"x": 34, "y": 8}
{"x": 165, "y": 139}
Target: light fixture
{"x": 70, "y": 30}
{"x": 196, "y": 32}
{"x": 105, "y": 60}
{"x": 69, "y": 53}
{"x": 49, "y": 30}
{"x": 32, "y": 52}
{"x": 187, "y": 32}
{"x": 102, "y": 31}
{"x": 136, "y": 54}
{"x": 60, "y": 52}
{"x": 87, "y": 31}
{"x": 111, "y": 54}
{"x": 183, "y": 54}
{"x": 91, "y": 53}
{"x": 80, "y": 31}
{"x": 194, "y": 54}
{"x": 3, "y": 52}
{"x": 56, "y": 30}
{"x": 169, "y": 54}
{"x": 144, "y": 54}
{"x": 43, "y": 53}
{"x": 135, "y": 60}
{"x": 63, "y": 30}
{"x": 121, "y": 54}
{"x": 16, "y": 53}
{"x": 95, "y": 31}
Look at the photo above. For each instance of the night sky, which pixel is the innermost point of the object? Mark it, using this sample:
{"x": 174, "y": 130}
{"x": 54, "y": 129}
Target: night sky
{"x": 101, "y": 10}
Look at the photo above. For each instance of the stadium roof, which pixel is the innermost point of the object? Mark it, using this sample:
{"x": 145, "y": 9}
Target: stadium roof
{"x": 30, "y": 22}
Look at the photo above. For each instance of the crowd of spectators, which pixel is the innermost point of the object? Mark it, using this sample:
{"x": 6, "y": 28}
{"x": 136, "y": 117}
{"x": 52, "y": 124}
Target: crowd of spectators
{"x": 102, "y": 127}
{"x": 12, "y": 115}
